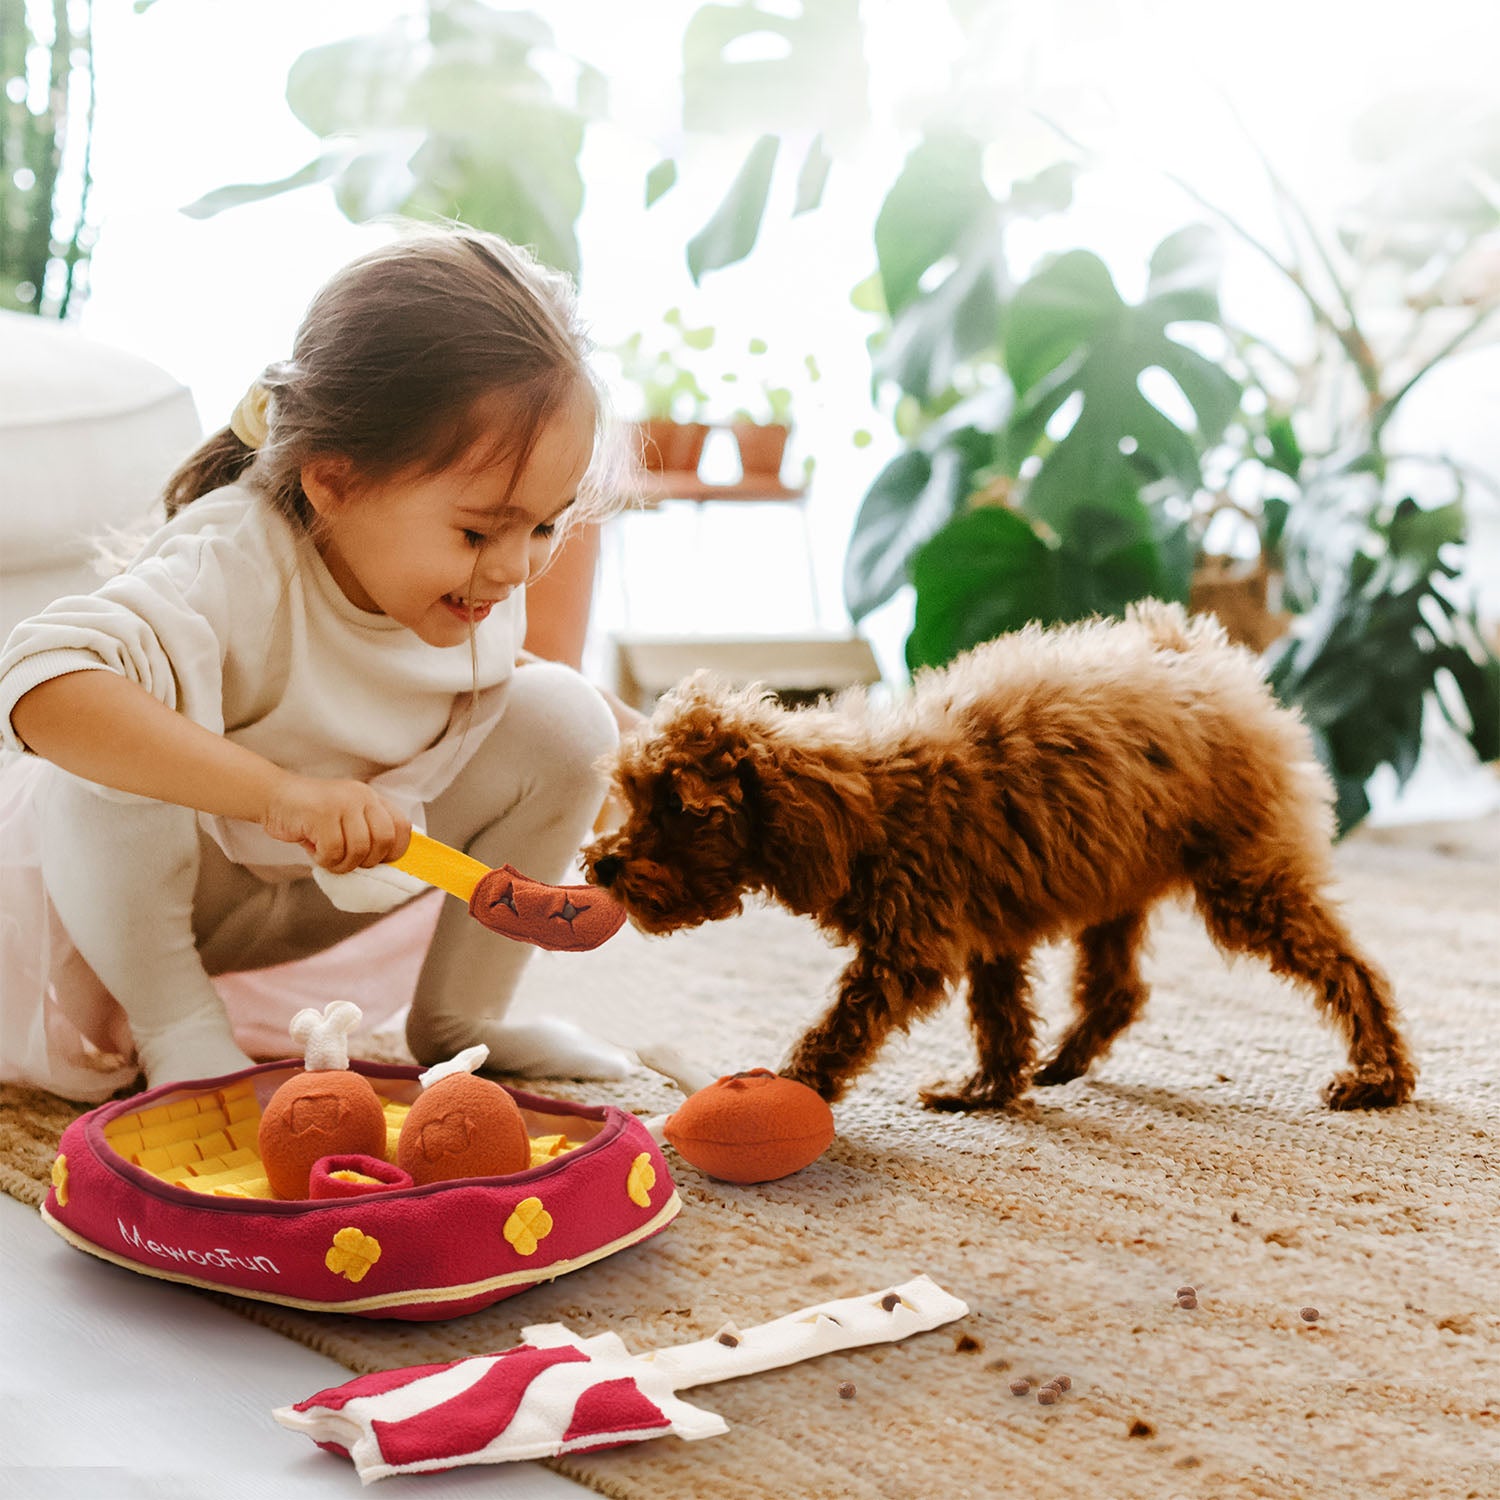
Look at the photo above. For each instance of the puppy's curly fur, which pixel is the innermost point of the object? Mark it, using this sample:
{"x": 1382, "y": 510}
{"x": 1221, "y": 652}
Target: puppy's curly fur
{"x": 1051, "y": 784}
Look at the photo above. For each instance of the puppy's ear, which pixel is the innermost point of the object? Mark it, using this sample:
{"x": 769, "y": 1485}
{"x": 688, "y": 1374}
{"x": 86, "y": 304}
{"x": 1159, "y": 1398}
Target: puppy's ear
{"x": 696, "y": 792}
{"x": 813, "y": 812}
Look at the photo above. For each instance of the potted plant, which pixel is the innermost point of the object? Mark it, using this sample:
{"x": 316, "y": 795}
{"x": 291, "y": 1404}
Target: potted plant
{"x": 762, "y": 418}
{"x": 1040, "y": 480}
{"x": 671, "y": 399}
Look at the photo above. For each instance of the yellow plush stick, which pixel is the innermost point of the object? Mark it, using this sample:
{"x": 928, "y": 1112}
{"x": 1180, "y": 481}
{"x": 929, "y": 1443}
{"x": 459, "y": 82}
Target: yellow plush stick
{"x": 437, "y": 864}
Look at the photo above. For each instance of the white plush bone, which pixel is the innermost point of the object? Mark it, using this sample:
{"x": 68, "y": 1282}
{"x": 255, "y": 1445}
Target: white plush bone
{"x": 848, "y": 1323}
{"x": 325, "y": 1036}
{"x": 470, "y": 1060}
{"x": 671, "y": 1062}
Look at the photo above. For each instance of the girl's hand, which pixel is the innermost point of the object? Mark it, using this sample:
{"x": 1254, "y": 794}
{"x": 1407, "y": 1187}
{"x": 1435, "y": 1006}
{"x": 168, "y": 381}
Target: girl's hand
{"x": 344, "y": 825}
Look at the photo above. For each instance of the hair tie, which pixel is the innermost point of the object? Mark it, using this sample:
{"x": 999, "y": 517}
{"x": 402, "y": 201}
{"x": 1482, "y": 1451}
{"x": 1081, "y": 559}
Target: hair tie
{"x": 249, "y": 421}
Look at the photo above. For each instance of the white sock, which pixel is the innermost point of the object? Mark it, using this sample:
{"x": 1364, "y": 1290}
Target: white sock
{"x": 549, "y": 1048}
{"x": 194, "y": 1047}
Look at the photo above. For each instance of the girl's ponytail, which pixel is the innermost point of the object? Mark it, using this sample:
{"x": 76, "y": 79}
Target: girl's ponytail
{"x": 217, "y": 462}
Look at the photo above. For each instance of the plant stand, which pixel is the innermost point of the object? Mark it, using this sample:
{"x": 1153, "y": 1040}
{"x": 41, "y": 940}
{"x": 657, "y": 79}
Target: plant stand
{"x": 798, "y": 668}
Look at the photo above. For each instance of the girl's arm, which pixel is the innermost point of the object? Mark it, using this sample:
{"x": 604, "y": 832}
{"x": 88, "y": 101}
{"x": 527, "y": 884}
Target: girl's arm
{"x": 105, "y": 728}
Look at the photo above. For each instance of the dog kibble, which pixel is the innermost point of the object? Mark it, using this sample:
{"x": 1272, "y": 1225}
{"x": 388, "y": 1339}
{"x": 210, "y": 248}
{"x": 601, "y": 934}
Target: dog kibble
{"x": 846, "y": 1390}
{"x": 1187, "y": 1291}
{"x": 1187, "y": 1303}
{"x": 966, "y": 1343}
{"x": 1048, "y": 1395}
{"x": 1019, "y": 1387}
{"x": 1062, "y": 1382}
{"x": 1308, "y": 1314}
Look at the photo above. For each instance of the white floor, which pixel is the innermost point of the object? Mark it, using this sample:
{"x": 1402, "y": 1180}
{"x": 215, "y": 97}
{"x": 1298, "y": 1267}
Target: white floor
{"x": 117, "y": 1387}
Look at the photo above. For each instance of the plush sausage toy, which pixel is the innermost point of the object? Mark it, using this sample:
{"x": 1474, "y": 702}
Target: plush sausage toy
{"x": 564, "y": 918}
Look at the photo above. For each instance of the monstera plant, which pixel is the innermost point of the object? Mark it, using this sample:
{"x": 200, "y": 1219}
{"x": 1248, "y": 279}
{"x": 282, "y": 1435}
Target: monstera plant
{"x": 1066, "y": 448}
{"x": 457, "y": 113}
{"x": 462, "y": 110}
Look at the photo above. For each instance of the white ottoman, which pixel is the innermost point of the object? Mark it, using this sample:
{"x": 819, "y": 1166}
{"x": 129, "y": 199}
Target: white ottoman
{"x": 88, "y": 437}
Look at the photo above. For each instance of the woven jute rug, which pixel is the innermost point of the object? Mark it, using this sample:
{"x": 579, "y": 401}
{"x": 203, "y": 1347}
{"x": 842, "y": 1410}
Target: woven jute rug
{"x": 1197, "y": 1154}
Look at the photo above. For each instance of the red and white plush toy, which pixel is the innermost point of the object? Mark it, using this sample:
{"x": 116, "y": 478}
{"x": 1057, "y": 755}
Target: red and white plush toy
{"x": 559, "y": 1392}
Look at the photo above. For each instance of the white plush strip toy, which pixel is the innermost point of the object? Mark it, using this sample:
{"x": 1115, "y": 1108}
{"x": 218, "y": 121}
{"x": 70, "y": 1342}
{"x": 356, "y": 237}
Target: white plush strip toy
{"x": 560, "y": 1393}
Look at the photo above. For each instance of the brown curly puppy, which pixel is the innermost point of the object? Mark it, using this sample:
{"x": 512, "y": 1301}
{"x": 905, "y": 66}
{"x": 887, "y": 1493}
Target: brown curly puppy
{"x": 1051, "y": 784}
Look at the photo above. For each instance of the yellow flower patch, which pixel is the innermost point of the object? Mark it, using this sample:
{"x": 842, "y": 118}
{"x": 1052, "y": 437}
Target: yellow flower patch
{"x": 352, "y": 1253}
{"x": 527, "y": 1226}
{"x": 60, "y": 1179}
{"x": 641, "y": 1180}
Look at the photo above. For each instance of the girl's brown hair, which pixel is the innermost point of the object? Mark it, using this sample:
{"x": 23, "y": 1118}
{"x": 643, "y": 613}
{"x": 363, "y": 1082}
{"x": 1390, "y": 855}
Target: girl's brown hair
{"x": 391, "y": 360}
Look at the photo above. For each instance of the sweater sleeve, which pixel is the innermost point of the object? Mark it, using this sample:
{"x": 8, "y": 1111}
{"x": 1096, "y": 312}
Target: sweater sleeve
{"x": 165, "y": 625}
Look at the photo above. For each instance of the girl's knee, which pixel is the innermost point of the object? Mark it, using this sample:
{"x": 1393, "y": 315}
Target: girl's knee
{"x": 98, "y": 836}
{"x": 569, "y": 718}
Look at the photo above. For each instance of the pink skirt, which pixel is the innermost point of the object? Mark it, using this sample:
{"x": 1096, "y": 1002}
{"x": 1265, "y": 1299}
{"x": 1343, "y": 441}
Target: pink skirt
{"x": 62, "y": 1031}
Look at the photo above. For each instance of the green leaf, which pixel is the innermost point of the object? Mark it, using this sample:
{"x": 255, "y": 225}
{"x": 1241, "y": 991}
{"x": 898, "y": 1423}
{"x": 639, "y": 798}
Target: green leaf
{"x": 912, "y": 498}
{"x": 374, "y": 183}
{"x": 928, "y": 210}
{"x": 813, "y": 177}
{"x": 731, "y": 233}
{"x": 319, "y": 169}
{"x": 1285, "y": 452}
{"x": 660, "y": 179}
{"x": 1184, "y": 277}
{"x": 933, "y": 336}
{"x": 1048, "y": 192}
{"x": 983, "y": 575}
{"x": 354, "y": 84}
{"x": 457, "y": 125}
{"x": 1057, "y": 313}
{"x": 811, "y": 73}
{"x": 1070, "y": 336}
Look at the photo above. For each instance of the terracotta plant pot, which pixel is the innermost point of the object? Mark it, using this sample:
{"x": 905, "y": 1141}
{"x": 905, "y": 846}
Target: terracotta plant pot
{"x": 670, "y": 447}
{"x": 762, "y": 446}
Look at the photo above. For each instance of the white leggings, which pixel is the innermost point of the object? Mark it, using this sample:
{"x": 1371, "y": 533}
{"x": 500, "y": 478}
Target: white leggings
{"x": 155, "y": 907}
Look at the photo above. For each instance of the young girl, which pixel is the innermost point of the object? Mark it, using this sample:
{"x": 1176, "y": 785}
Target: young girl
{"x": 321, "y": 646}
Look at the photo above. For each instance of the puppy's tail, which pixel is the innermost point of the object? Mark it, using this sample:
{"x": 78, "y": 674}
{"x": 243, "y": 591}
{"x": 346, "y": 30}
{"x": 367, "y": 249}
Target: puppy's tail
{"x": 1170, "y": 627}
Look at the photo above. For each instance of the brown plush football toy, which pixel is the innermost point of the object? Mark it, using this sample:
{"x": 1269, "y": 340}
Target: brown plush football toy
{"x": 748, "y": 1127}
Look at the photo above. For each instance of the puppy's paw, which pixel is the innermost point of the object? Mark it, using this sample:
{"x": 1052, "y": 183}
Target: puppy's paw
{"x": 1367, "y": 1090}
{"x": 976, "y": 1092}
{"x": 1061, "y": 1069}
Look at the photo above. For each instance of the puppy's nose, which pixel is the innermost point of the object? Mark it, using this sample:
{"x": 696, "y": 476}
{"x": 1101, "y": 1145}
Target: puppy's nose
{"x": 607, "y": 869}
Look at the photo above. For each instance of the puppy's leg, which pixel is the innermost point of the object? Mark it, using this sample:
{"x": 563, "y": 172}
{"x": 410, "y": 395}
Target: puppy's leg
{"x": 1004, "y": 1028}
{"x": 1290, "y": 923}
{"x": 1108, "y": 994}
{"x": 874, "y": 995}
